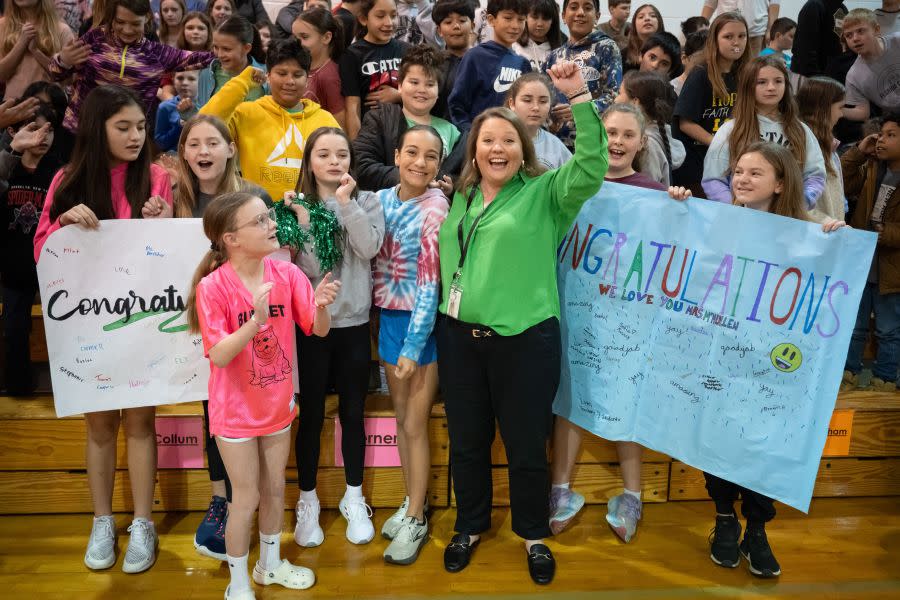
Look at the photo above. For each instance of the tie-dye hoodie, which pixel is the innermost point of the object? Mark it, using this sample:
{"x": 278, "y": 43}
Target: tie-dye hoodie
{"x": 407, "y": 268}
{"x": 139, "y": 67}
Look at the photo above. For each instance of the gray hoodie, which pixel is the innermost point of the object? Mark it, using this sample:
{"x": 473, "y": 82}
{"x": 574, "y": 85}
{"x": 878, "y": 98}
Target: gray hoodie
{"x": 362, "y": 219}
{"x": 654, "y": 163}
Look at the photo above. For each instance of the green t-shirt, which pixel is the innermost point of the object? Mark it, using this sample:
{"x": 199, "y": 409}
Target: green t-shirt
{"x": 447, "y": 130}
{"x": 509, "y": 278}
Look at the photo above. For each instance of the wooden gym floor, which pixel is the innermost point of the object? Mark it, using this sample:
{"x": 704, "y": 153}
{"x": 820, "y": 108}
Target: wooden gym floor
{"x": 845, "y": 548}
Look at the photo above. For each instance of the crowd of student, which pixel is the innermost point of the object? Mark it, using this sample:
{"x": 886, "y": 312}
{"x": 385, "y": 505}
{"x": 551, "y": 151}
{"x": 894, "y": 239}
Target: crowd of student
{"x": 374, "y": 139}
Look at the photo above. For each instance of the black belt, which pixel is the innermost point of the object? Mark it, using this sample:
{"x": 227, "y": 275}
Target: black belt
{"x": 475, "y": 329}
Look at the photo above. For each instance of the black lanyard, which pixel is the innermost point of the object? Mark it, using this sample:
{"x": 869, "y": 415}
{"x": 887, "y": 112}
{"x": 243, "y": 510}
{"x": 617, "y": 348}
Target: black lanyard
{"x": 464, "y": 248}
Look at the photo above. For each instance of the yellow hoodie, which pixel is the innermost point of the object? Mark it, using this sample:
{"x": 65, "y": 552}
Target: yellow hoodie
{"x": 269, "y": 139}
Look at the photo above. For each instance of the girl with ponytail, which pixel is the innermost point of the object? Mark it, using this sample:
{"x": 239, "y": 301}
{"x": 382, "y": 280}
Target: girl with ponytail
{"x": 656, "y": 98}
{"x": 206, "y": 169}
{"x": 245, "y": 305}
{"x": 237, "y": 45}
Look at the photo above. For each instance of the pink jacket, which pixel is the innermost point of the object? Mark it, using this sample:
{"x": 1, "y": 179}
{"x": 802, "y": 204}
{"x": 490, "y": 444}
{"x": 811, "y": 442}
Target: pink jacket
{"x": 159, "y": 186}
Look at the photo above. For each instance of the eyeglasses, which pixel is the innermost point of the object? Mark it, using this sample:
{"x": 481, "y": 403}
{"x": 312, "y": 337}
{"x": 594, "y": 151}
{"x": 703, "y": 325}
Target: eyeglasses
{"x": 262, "y": 220}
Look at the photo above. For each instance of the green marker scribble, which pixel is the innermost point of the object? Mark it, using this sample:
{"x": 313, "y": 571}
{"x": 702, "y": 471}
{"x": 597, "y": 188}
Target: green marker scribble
{"x": 177, "y": 329}
{"x": 125, "y": 321}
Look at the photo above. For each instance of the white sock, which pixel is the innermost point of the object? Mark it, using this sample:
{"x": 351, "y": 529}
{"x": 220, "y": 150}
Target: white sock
{"x": 309, "y": 497}
{"x": 561, "y": 486}
{"x": 636, "y": 494}
{"x": 240, "y": 577}
{"x": 269, "y": 550}
{"x": 353, "y": 491}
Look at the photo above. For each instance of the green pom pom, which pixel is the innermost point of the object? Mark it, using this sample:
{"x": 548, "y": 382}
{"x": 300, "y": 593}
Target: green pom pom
{"x": 288, "y": 230}
{"x": 324, "y": 230}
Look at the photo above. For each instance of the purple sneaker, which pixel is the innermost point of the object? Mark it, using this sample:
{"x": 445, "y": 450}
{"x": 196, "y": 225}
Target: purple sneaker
{"x": 564, "y": 505}
{"x": 623, "y": 513}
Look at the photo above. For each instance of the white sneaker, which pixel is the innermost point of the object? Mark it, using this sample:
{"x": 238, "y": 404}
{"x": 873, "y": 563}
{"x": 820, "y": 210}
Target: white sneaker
{"x": 308, "y": 533}
{"x": 410, "y": 538}
{"x": 101, "y": 548}
{"x": 393, "y": 523}
{"x": 141, "y": 553}
{"x": 359, "y": 519}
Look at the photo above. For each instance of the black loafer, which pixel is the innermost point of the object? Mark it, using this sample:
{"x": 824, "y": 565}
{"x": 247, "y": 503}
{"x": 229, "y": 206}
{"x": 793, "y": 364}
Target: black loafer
{"x": 541, "y": 564}
{"x": 458, "y": 552}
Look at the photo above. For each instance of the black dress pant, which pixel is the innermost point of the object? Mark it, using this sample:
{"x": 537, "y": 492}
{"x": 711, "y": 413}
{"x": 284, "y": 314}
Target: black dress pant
{"x": 343, "y": 357}
{"x": 510, "y": 381}
{"x": 755, "y": 507}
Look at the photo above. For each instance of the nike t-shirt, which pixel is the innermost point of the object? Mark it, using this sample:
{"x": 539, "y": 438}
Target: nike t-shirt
{"x": 365, "y": 67}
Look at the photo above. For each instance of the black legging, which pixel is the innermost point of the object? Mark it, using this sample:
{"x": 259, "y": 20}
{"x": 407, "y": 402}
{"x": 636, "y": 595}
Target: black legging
{"x": 756, "y": 508}
{"x": 343, "y": 353}
{"x": 214, "y": 463}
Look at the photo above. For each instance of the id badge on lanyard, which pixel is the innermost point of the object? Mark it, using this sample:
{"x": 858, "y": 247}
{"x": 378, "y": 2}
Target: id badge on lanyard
{"x": 456, "y": 290}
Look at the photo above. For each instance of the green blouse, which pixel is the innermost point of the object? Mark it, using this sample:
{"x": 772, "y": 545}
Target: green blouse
{"x": 509, "y": 277}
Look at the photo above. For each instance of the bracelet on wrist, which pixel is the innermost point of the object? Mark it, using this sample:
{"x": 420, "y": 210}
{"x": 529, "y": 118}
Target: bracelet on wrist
{"x": 577, "y": 93}
{"x": 15, "y": 153}
{"x": 258, "y": 323}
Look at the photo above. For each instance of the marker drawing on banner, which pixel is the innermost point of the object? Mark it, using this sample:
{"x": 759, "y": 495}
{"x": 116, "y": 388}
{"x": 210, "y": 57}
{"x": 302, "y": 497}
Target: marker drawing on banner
{"x": 117, "y": 336}
{"x": 715, "y": 334}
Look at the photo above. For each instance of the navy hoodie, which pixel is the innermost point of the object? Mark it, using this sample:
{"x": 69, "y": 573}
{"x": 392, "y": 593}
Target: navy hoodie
{"x": 485, "y": 74}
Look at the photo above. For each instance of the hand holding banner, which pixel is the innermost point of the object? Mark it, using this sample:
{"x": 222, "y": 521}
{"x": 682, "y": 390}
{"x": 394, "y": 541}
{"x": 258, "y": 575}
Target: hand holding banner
{"x": 113, "y": 302}
{"x": 715, "y": 334}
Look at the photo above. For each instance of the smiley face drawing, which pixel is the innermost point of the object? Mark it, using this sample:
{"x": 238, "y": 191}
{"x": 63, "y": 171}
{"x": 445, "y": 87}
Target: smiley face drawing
{"x": 786, "y": 357}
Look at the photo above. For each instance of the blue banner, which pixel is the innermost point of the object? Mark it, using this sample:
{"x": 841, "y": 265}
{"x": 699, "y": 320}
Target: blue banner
{"x": 715, "y": 334}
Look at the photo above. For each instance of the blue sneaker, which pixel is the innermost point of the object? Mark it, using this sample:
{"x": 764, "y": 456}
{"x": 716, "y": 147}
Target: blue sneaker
{"x": 210, "y": 537}
{"x": 564, "y": 505}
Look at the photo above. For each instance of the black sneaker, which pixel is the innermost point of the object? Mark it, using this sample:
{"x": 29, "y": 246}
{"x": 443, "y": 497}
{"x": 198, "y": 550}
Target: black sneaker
{"x": 755, "y": 548}
{"x": 723, "y": 542}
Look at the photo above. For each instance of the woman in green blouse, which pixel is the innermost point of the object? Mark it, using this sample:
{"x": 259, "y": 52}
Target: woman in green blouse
{"x": 499, "y": 338}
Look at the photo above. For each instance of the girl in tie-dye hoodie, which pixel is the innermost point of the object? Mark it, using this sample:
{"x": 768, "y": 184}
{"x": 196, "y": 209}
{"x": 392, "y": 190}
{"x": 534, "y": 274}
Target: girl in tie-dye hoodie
{"x": 406, "y": 279}
{"x": 118, "y": 53}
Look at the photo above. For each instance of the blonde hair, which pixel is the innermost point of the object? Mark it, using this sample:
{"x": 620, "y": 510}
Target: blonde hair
{"x": 860, "y": 15}
{"x": 219, "y": 218}
{"x": 626, "y": 108}
{"x": 46, "y": 23}
{"x": 187, "y": 187}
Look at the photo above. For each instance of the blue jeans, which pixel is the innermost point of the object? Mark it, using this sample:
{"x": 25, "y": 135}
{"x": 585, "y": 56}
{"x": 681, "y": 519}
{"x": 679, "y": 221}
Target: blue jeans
{"x": 16, "y": 331}
{"x": 887, "y": 333}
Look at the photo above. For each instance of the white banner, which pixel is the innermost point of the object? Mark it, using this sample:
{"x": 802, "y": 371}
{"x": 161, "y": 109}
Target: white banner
{"x": 113, "y": 303}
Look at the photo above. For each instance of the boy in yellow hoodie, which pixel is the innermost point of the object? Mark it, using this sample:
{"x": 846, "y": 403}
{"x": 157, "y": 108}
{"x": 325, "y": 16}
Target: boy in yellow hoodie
{"x": 270, "y": 132}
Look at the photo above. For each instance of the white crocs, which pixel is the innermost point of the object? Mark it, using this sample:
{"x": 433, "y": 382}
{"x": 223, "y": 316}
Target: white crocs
{"x": 285, "y": 574}
{"x": 241, "y": 595}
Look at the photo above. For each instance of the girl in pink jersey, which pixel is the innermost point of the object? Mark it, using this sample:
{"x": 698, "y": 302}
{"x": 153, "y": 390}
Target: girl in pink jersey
{"x": 245, "y": 305}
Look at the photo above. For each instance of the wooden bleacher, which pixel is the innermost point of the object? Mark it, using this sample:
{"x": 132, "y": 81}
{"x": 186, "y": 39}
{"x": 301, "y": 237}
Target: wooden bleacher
{"x": 42, "y": 460}
{"x": 42, "y": 463}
